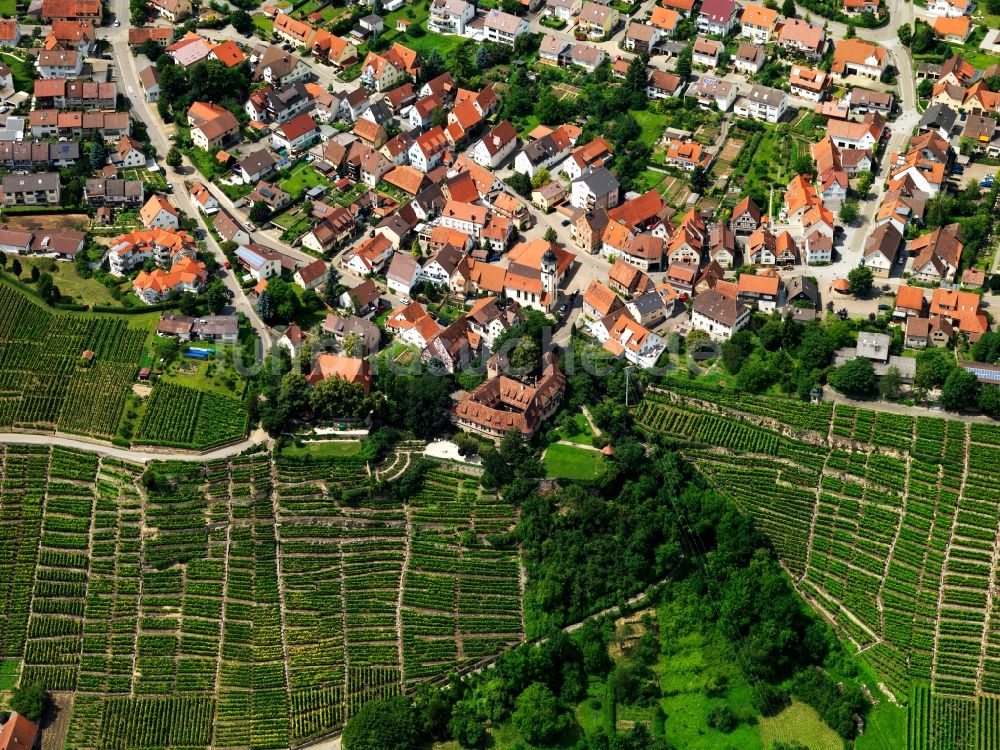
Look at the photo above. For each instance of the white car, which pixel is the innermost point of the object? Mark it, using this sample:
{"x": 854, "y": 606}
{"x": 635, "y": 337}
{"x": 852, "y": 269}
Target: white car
{"x": 117, "y": 22}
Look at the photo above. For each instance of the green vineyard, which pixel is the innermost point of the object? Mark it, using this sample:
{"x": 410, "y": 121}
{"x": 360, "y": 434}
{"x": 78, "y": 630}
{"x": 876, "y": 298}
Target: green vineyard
{"x": 250, "y": 602}
{"x": 43, "y": 383}
{"x": 888, "y": 525}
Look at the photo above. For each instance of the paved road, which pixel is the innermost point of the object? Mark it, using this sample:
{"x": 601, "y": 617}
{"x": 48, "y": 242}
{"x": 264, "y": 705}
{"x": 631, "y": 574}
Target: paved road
{"x": 128, "y": 78}
{"x": 91, "y": 445}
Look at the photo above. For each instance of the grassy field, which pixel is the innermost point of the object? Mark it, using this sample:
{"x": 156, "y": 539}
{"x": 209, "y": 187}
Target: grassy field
{"x": 323, "y": 449}
{"x": 581, "y": 432}
{"x": 8, "y": 674}
{"x": 64, "y": 275}
{"x": 692, "y": 663}
{"x": 20, "y": 70}
{"x": 567, "y": 462}
{"x": 800, "y": 723}
{"x": 652, "y": 125}
{"x": 301, "y": 178}
{"x": 263, "y": 26}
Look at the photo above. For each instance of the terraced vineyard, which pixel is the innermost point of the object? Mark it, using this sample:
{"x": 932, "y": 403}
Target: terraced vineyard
{"x": 43, "y": 385}
{"x": 888, "y": 525}
{"x": 252, "y": 602}
{"x": 41, "y": 381}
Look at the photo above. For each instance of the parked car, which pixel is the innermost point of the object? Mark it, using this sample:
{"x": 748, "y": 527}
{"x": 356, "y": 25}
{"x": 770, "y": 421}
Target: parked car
{"x": 565, "y": 222}
{"x": 883, "y": 307}
{"x": 957, "y": 170}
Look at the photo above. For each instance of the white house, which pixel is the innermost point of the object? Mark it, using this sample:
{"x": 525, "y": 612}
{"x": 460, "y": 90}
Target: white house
{"x": 763, "y": 103}
{"x": 158, "y": 214}
{"x": 495, "y": 146}
{"x": 720, "y": 317}
{"x": 949, "y": 8}
{"x": 450, "y": 16}
{"x": 503, "y": 28}
{"x": 296, "y": 134}
{"x": 204, "y": 199}
{"x": 261, "y": 262}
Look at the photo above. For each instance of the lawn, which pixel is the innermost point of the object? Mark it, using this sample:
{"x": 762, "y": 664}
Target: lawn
{"x": 204, "y": 162}
{"x": 301, "y": 178}
{"x": 799, "y": 723}
{"x": 567, "y": 462}
{"x": 580, "y": 432}
{"x": 652, "y": 125}
{"x": 8, "y": 674}
{"x": 263, "y": 26}
{"x": 215, "y": 375}
{"x": 81, "y": 291}
{"x": 323, "y": 449}
{"x": 22, "y": 72}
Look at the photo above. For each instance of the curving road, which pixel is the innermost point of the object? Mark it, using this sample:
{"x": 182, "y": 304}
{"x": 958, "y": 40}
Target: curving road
{"x": 92, "y": 445}
{"x": 130, "y": 86}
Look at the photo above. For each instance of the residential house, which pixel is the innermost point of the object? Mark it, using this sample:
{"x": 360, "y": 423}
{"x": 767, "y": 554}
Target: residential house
{"x": 717, "y": 17}
{"x": 350, "y": 369}
{"x": 706, "y": 52}
{"x": 963, "y": 309}
{"x": 229, "y": 229}
{"x": 758, "y": 23}
{"x": 746, "y": 217}
{"x": 953, "y": 30}
{"x": 599, "y": 301}
{"x": 494, "y": 148}
{"x": 859, "y": 57}
{"x": 256, "y": 166}
{"x": 59, "y": 63}
{"x": 212, "y": 127}
{"x": 295, "y": 135}
{"x": 662, "y": 85}
{"x": 763, "y": 103}
{"x": 271, "y": 195}
{"x": 450, "y": 16}
{"x": 402, "y": 274}
{"x": 413, "y": 325}
{"x": 259, "y": 261}
{"x": 185, "y": 275}
{"x": 159, "y": 214}
{"x": 749, "y": 59}
{"x": 311, "y": 275}
{"x": 882, "y": 252}
{"x": 762, "y": 290}
{"x": 564, "y": 10}
{"x": 595, "y": 188}
{"x": 280, "y": 68}
{"x": 150, "y": 80}
{"x": 628, "y": 280}
{"x": 713, "y": 93}
{"x": 720, "y": 317}
{"x": 910, "y": 302}
{"x": 202, "y": 197}
{"x": 128, "y": 153}
{"x": 802, "y": 37}
{"x": 921, "y": 333}
{"x": 937, "y": 254}
{"x": 641, "y": 38}
{"x": 371, "y": 256}
{"x": 428, "y": 149}
{"x": 665, "y": 19}
{"x": 503, "y": 28}
{"x": 174, "y": 11}
{"x": 366, "y": 333}
{"x": 10, "y": 31}
{"x": 808, "y": 83}
{"x": 111, "y": 191}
